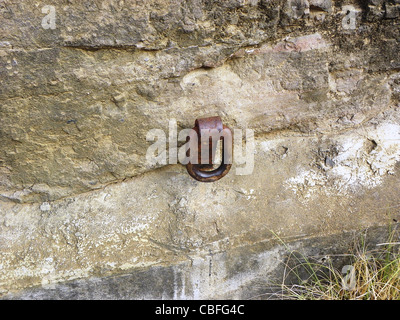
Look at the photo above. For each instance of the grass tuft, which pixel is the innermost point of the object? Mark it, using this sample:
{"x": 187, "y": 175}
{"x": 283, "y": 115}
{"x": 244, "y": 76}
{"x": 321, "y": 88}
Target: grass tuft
{"x": 371, "y": 274}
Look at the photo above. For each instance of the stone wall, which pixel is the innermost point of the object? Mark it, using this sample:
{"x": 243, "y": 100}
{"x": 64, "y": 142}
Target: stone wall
{"x": 82, "y": 82}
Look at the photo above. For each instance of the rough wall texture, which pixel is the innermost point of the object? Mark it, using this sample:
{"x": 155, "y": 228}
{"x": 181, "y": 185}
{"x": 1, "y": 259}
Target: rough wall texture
{"x": 318, "y": 81}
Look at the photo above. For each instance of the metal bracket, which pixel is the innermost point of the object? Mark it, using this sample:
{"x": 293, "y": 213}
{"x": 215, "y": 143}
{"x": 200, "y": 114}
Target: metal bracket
{"x": 209, "y": 131}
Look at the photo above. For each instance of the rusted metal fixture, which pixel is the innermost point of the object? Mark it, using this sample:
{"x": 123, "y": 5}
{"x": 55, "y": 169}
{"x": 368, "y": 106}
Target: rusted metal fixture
{"x": 208, "y": 132}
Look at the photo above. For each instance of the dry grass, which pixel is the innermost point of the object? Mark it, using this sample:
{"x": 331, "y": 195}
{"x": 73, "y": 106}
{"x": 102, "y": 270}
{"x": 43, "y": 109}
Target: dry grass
{"x": 372, "y": 274}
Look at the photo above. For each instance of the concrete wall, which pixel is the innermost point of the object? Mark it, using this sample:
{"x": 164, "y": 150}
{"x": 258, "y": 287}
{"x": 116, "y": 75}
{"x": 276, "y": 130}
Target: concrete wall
{"x": 317, "y": 81}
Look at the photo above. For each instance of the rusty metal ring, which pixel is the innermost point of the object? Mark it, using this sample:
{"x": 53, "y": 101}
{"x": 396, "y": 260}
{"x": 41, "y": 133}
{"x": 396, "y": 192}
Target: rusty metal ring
{"x": 202, "y": 172}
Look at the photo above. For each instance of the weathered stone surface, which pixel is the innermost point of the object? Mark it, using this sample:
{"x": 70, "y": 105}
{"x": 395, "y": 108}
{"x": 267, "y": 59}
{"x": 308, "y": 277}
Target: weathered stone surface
{"x": 77, "y": 197}
{"x": 392, "y": 12}
{"x": 142, "y": 222}
{"x": 74, "y": 113}
{"x": 249, "y": 272}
